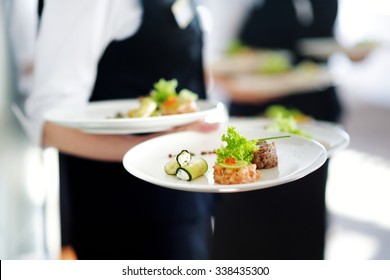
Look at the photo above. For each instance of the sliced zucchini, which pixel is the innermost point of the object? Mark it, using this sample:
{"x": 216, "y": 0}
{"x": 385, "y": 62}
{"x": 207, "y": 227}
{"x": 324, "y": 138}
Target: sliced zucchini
{"x": 236, "y": 165}
{"x": 171, "y": 166}
{"x": 184, "y": 157}
{"x": 146, "y": 108}
{"x": 192, "y": 170}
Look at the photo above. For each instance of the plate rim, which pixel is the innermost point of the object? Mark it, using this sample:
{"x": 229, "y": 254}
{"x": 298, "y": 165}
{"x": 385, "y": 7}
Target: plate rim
{"x": 319, "y": 123}
{"x": 218, "y": 188}
{"x": 154, "y": 123}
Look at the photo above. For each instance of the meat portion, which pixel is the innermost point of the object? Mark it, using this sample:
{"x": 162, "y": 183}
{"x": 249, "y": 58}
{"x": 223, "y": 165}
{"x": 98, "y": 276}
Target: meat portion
{"x": 266, "y": 156}
{"x": 179, "y": 107}
{"x": 228, "y": 176}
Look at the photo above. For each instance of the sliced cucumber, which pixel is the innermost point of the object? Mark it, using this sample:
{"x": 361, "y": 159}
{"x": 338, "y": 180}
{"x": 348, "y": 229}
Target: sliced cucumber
{"x": 146, "y": 108}
{"x": 237, "y": 164}
{"x": 184, "y": 157}
{"x": 171, "y": 166}
{"x": 192, "y": 170}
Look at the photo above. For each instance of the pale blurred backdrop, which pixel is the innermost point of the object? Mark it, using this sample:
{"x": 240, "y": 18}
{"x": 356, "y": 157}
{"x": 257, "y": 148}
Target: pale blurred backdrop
{"x": 358, "y": 192}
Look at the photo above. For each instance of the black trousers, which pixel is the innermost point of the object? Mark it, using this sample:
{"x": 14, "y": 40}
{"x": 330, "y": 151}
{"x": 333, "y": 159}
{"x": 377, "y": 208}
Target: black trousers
{"x": 283, "y": 222}
{"x": 146, "y": 240}
{"x": 106, "y": 213}
{"x": 286, "y": 222}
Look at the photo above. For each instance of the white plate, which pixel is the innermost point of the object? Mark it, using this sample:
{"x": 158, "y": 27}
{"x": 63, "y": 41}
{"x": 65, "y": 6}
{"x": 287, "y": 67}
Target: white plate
{"x": 97, "y": 117}
{"x": 279, "y": 85}
{"x": 324, "y": 47}
{"x": 297, "y": 158}
{"x": 248, "y": 62}
{"x": 123, "y": 130}
{"x": 331, "y": 135}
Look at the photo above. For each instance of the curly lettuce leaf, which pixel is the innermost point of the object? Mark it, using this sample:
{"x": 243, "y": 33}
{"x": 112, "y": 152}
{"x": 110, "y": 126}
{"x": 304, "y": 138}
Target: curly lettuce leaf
{"x": 288, "y": 124}
{"x": 186, "y": 94}
{"x": 279, "y": 111}
{"x": 236, "y": 146}
{"x": 275, "y": 63}
{"x": 235, "y": 47}
{"x": 163, "y": 89}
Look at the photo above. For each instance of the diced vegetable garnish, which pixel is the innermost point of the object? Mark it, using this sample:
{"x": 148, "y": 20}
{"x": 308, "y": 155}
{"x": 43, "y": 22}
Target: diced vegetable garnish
{"x": 236, "y": 164}
{"x": 164, "y": 92}
{"x": 163, "y": 89}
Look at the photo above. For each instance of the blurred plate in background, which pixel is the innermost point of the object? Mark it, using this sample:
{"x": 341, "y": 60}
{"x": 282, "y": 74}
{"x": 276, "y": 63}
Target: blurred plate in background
{"x": 98, "y": 117}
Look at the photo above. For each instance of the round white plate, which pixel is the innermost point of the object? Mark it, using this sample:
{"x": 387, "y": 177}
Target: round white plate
{"x": 324, "y": 47}
{"x": 97, "y": 117}
{"x": 123, "y": 130}
{"x": 321, "y": 47}
{"x": 248, "y": 62}
{"x": 331, "y": 135}
{"x": 297, "y": 158}
{"x": 279, "y": 85}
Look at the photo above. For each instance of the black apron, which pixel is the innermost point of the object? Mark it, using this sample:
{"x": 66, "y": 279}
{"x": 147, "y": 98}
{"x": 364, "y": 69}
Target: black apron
{"x": 106, "y": 212}
{"x": 275, "y": 25}
{"x": 288, "y": 221}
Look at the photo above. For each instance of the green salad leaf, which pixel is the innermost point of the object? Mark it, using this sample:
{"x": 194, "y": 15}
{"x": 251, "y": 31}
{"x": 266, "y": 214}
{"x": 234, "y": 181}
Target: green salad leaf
{"x": 163, "y": 89}
{"x": 186, "y": 94}
{"x": 278, "y": 111}
{"x": 286, "y": 120}
{"x": 235, "y": 47}
{"x": 275, "y": 63}
{"x": 237, "y": 146}
{"x": 289, "y": 125}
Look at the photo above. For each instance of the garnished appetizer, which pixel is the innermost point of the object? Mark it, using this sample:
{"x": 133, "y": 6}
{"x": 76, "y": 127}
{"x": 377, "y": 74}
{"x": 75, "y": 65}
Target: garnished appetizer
{"x": 175, "y": 162}
{"x": 234, "y": 160}
{"x": 240, "y": 159}
{"x": 265, "y": 156}
{"x": 184, "y": 167}
{"x": 165, "y": 100}
{"x": 287, "y": 120}
{"x": 279, "y": 111}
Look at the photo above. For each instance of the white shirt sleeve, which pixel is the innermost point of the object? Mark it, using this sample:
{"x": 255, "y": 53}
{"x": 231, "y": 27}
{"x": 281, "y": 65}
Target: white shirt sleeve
{"x": 72, "y": 37}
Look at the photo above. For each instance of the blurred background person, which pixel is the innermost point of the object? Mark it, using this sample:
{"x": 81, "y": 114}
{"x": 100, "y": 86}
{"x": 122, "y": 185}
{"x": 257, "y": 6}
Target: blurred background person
{"x": 22, "y": 215}
{"x": 288, "y": 221}
{"x": 101, "y": 50}
{"x": 22, "y": 22}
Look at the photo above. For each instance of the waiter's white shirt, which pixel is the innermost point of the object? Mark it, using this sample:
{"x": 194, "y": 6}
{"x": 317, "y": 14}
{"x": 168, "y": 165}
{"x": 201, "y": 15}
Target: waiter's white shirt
{"x": 73, "y": 36}
{"x": 71, "y": 40}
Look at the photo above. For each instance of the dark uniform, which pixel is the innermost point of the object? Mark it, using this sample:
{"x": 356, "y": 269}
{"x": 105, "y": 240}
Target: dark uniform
{"x": 288, "y": 221}
{"x": 106, "y": 213}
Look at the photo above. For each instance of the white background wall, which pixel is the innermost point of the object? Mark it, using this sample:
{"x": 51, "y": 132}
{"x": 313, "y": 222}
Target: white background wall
{"x": 22, "y": 184}
{"x": 4, "y": 88}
